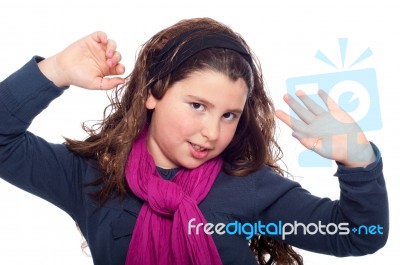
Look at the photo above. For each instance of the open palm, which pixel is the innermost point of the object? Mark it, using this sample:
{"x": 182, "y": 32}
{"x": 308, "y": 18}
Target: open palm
{"x": 330, "y": 132}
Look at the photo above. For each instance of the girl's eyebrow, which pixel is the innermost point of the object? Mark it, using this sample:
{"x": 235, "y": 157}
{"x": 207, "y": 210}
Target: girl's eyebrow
{"x": 207, "y": 103}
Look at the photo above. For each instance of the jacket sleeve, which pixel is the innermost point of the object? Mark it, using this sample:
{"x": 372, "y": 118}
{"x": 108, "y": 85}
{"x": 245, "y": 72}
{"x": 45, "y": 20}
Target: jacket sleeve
{"x": 356, "y": 224}
{"x": 27, "y": 161}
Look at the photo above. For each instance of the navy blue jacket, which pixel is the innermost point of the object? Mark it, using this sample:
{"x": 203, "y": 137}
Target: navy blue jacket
{"x": 57, "y": 175}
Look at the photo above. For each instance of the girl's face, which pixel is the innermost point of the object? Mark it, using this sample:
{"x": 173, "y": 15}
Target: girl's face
{"x": 195, "y": 120}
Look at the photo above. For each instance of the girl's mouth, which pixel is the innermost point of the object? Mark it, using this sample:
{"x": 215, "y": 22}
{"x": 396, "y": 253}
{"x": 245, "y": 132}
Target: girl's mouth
{"x": 198, "y": 148}
{"x": 198, "y": 151}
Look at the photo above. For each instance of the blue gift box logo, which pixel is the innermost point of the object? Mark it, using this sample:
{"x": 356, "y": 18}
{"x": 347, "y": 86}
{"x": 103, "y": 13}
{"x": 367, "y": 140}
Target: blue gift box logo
{"x": 356, "y": 91}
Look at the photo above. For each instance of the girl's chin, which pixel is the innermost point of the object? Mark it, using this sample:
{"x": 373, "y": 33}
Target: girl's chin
{"x": 191, "y": 164}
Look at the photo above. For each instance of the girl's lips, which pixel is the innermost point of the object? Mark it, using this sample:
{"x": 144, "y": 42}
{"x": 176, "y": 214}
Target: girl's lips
{"x": 198, "y": 151}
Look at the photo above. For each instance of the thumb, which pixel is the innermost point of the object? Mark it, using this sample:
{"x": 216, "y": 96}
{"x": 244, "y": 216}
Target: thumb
{"x": 102, "y": 83}
{"x": 309, "y": 142}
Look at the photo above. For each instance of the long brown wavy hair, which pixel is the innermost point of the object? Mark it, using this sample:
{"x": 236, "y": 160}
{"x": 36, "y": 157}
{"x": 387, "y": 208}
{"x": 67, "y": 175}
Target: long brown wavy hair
{"x": 253, "y": 145}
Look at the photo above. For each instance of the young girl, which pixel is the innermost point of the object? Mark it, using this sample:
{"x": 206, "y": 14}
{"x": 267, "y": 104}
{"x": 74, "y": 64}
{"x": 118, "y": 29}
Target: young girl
{"x": 185, "y": 163}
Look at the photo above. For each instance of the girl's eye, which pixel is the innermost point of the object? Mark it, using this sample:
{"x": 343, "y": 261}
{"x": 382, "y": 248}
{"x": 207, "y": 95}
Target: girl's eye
{"x": 198, "y": 106}
{"x": 229, "y": 116}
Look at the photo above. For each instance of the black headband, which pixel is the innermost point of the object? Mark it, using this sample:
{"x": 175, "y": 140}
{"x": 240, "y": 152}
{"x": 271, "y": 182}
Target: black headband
{"x": 191, "y": 47}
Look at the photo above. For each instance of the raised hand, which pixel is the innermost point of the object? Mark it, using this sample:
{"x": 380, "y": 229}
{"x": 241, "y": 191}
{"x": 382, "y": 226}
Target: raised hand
{"x": 85, "y": 63}
{"x": 331, "y": 133}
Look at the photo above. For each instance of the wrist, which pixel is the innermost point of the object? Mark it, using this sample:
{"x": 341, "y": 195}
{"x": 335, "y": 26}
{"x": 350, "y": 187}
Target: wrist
{"x": 52, "y": 71}
{"x": 361, "y": 157}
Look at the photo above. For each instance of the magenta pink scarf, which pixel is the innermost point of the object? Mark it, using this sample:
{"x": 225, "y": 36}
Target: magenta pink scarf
{"x": 161, "y": 234}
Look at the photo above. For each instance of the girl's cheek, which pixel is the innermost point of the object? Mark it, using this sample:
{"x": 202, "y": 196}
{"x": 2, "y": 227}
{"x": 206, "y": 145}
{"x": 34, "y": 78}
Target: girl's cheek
{"x": 227, "y": 138}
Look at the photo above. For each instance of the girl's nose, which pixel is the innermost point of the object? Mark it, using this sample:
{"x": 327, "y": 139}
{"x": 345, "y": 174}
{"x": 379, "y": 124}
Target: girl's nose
{"x": 211, "y": 130}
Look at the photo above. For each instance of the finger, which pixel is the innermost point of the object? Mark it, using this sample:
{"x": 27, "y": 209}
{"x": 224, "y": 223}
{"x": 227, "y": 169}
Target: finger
{"x": 116, "y": 58}
{"x": 312, "y": 143}
{"x": 107, "y": 83}
{"x": 115, "y": 81}
{"x": 111, "y": 48}
{"x": 299, "y": 109}
{"x": 335, "y": 110}
{"x": 119, "y": 69}
{"x": 309, "y": 103}
{"x": 100, "y": 37}
{"x": 329, "y": 102}
{"x": 293, "y": 123}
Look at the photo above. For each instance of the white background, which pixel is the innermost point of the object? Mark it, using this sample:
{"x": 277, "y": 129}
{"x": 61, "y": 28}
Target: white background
{"x": 284, "y": 34}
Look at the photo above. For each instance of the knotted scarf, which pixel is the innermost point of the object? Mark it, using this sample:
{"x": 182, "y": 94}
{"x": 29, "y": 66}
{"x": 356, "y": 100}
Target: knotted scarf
{"x": 160, "y": 236}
